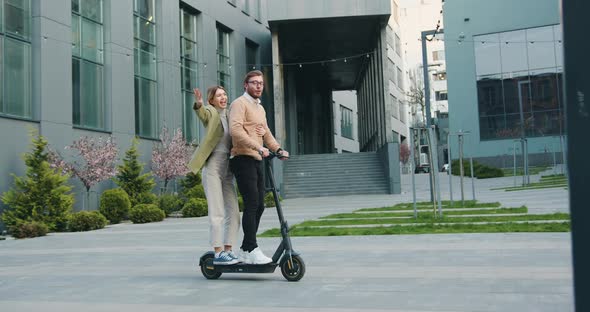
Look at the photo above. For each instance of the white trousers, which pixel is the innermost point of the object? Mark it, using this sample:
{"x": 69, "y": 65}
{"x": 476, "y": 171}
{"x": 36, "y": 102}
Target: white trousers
{"x": 222, "y": 200}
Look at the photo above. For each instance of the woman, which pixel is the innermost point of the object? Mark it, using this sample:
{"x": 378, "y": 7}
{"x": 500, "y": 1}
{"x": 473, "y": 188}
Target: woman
{"x": 213, "y": 156}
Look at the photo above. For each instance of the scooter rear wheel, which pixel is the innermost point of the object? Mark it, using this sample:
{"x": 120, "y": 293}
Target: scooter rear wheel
{"x": 207, "y": 267}
{"x": 293, "y": 268}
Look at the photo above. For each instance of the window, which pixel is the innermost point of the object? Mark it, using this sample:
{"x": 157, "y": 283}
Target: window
{"x": 395, "y": 12}
{"x": 394, "y": 107}
{"x": 398, "y": 45}
{"x": 400, "y": 79}
{"x": 257, "y": 10}
{"x": 188, "y": 71}
{"x": 438, "y": 55}
{"x": 87, "y": 64}
{"x": 251, "y": 55}
{"x": 441, "y": 95}
{"x": 223, "y": 60}
{"x": 519, "y": 79}
{"x": 232, "y": 2}
{"x": 15, "y": 59}
{"x": 246, "y": 7}
{"x": 144, "y": 33}
{"x": 439, "y": 76}
{"x": 345, "y": 122}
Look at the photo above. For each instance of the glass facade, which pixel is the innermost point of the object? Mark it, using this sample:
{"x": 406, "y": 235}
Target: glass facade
{"x": 346, "y": 122}
{"x": 223, "y": 60}
{"x": 189, "y": 72}
{"x": 146, "y": 102}
{"x": 87, "y": 64}
{"x": 15, "y": 58}
{"x": 519, "y": 81}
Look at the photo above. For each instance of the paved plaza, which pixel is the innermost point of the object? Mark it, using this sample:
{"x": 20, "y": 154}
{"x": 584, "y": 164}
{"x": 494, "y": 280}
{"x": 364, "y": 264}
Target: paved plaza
{"x": 153, "y": 267}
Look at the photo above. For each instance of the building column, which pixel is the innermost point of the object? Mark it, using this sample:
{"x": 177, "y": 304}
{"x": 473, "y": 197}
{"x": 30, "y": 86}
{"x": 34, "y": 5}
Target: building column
{"x": 279, "y": 91}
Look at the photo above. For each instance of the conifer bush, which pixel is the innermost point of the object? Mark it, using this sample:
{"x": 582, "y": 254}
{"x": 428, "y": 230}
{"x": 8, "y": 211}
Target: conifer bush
{"x": 131, "y": 179}
{"x": 41, "y": 196}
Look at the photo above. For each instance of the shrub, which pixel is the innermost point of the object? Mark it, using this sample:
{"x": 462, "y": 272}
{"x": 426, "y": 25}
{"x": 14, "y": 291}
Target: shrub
{"x": 191, "y": 180}
{"x": 195, "y": 192}
{"x": 87, "y": 221}
{"x": 269, "y": 200}
{"x": 195, "y": 207}
{"x": 145, "y": 213}
{"x": 42, "y": 195}
{"x": 29, "y": 229}
{"x": 480, "y": 171}
{"x": 169, "y": 203}
{"x": 114, "y": 205}
{"x": 147, "y": 198}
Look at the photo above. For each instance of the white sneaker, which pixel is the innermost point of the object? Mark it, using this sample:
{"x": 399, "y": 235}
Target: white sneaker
{"x": 257, "y": 257}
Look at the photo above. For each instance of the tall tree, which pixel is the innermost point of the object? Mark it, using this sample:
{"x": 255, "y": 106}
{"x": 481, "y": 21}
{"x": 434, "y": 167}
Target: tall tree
{"x": 130, "y": 177}
{"x": 42, "y": 195}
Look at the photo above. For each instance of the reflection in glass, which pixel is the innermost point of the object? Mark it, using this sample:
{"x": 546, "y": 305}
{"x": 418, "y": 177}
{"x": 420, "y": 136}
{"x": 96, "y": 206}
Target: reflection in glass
{"x": 518, "y": 83}
{"x": 17, "y": 79}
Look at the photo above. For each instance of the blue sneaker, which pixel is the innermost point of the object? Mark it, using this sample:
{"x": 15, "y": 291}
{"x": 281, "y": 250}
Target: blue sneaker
{"x": 224, "y": 259}
{"x": 232, "y": 254}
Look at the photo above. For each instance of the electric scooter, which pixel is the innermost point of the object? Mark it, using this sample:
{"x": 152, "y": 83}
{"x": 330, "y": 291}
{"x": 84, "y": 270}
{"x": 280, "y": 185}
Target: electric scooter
{"x": 292, "y": 265}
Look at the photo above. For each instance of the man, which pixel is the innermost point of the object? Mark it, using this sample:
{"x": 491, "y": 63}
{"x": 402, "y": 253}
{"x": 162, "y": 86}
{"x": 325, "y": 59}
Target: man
{"x": 247, "y": 153}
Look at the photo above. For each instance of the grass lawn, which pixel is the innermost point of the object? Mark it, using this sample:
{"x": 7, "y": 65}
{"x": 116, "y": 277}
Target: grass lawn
{"x": 508, "y": 172}
{"x": 386, "y": 221}
{"x": 549, "y": 181}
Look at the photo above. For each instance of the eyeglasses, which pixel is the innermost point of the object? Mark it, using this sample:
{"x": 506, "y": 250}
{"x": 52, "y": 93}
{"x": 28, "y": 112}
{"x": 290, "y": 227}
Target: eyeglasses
{"x": 256, "y": 83}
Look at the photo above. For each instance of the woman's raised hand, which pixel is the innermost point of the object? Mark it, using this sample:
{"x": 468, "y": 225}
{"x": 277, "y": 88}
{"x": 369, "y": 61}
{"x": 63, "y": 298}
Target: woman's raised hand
{"x": 198, "y": 97}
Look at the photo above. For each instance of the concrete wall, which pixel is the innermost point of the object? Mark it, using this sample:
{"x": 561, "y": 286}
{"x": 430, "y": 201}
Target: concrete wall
{"x": 308, "y": 9}
{"x": 485, "y": 17}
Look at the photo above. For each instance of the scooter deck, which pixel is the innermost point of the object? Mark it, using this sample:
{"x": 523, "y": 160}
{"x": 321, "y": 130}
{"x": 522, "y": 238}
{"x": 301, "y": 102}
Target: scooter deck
{"x": 242, "y": 267}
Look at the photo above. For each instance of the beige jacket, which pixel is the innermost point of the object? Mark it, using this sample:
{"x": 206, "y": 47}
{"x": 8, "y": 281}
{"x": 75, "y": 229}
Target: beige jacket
{"x": 245, "y": 113}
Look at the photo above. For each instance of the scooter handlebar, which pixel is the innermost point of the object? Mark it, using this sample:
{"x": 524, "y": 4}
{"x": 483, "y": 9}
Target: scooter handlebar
{"x": 278, "y": 155}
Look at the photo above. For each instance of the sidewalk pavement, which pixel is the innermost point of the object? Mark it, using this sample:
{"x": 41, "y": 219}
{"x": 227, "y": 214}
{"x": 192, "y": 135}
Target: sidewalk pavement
{"x": 154, "y": 267}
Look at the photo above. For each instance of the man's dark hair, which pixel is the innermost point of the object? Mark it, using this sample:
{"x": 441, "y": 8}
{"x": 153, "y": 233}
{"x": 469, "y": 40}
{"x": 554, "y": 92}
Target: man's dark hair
{"x": 252, "y": 73}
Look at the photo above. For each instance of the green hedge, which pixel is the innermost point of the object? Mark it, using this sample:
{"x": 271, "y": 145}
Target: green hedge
{"x": 87, "y": 221}
{"x": 114, "y": 205}
{"x": 194, "y": 207}
{"x": 29, "y": 229}
{"x": 147, "y": 198}
{"x": 169, "y": 203}
{"x": 146, "y": 213}
{"x": 480, "y": 171}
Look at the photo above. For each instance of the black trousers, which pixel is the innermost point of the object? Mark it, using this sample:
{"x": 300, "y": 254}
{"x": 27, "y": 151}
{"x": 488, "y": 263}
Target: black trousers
{"x": 250, "y": 178}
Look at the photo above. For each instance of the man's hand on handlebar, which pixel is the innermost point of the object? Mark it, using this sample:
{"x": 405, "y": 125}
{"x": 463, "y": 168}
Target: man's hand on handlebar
{"x": 283, "y": 155}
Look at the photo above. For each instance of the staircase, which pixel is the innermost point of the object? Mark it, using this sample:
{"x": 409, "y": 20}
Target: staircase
{"x": 334, "y": 174}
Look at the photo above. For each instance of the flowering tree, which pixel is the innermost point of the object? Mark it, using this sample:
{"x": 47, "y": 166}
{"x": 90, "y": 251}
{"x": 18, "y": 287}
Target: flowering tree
{"x": 170, "y": 156}
{"x": 98, "y": 155}
{"x": 99, "y": 160}
{"x": 404, "y": 153}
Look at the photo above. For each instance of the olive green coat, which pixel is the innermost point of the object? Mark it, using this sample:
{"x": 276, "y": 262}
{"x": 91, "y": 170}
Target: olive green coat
{"x": 214, "y": 132}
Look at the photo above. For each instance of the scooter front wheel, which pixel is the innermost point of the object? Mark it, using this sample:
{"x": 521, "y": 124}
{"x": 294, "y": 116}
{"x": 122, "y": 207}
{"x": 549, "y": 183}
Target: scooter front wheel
{"x": 293, "y": 268}
{"x": 207, "y": 267}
